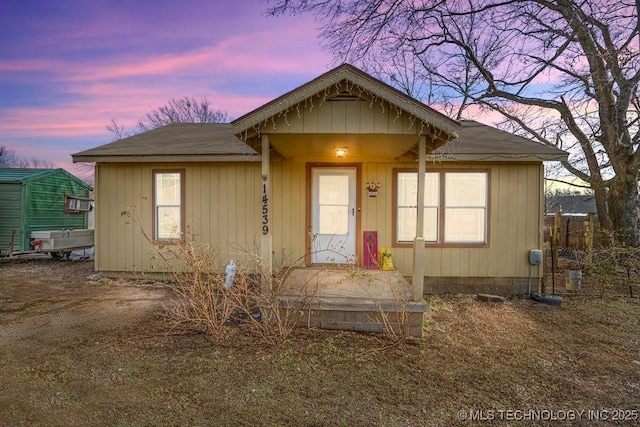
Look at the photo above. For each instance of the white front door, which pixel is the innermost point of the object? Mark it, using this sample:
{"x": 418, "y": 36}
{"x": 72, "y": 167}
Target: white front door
{"x": 333, "y": 215}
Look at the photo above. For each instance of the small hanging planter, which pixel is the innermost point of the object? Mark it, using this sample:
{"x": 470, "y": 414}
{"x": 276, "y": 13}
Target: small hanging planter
{"x": 372, "y": 188}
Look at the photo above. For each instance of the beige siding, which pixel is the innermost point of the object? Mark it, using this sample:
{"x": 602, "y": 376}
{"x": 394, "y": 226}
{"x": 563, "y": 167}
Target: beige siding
{"x": 514, "y": 228}
{"x": 288, "y": 220}
{"x": 515, "y": 212}
{"x": 223, "y": 205}
{"x": 352, "y": 117}
{"x": 221, "y": 208}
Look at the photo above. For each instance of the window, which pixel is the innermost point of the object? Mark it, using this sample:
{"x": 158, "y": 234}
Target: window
{"x": 455, "y": 207}
{"x": 465, "y": 205}
{"x": 77, "y": 204}
{"x": 407, "y": 185}
{"x": 168, "y": 205}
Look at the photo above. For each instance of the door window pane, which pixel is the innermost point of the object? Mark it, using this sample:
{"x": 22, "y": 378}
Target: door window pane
{"x": 333, "y": 220}
{"x": 333, "y": 204}
{"x": 333, "y": 190}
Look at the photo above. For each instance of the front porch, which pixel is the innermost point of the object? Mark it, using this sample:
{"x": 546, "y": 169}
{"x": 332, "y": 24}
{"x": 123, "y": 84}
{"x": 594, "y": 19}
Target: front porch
{"x": 352, "y": 299}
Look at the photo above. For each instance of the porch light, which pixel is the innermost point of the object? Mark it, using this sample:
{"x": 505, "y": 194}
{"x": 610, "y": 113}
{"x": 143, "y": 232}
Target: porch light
{"x": 341, "y": 152}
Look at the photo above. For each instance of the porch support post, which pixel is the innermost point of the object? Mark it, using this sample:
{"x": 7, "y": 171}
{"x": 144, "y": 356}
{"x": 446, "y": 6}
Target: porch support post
{"x": 266, "y": 242}
{"x": 418, "y": 243}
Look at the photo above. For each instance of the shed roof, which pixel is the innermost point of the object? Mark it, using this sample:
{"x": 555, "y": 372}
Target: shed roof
{"x": 175, "y": 142}
{"x": 25, "y": 175}
{"x": 479, "y": 142}
{"x": 20, "y": 175}
{"x": 572, "y": 204}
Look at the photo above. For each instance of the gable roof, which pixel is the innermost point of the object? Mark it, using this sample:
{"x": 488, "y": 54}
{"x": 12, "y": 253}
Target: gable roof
{"x": 201, "y": 142}
{"x": 347, "y": 79}
{"x": 466, "y": 140}
{"x": 21, "y": 175}
{"x": 480, "y": 142}
{"x": 25, "y": 175}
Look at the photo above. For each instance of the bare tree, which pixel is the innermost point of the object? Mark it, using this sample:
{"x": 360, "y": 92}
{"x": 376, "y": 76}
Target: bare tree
{"x": 117, "y": 129}
{"x": 565, "y": 72}
{"x": 9, "y": 159}
{"x": 183, "y": 110}
{"x": 34, "y": 163}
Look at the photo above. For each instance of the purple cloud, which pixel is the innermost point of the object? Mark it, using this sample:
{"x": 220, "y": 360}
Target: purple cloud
{"x": 68, "y": 68}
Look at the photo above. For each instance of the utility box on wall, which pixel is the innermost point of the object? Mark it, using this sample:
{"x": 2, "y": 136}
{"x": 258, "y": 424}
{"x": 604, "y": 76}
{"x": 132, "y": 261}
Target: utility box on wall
{"x": 370, "y": 258}
{"x": 535, "y": 257}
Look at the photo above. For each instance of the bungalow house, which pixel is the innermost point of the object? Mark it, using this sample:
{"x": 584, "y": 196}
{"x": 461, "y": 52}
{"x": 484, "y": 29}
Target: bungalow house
{"x": 324, "y": 175}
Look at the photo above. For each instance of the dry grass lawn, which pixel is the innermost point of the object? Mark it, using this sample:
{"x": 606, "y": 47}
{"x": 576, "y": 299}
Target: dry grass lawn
{"x": 75, "y": 352}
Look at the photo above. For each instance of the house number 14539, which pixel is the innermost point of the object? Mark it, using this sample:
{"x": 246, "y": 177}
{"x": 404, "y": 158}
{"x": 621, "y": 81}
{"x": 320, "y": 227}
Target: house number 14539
{"x": 265, "y": 209}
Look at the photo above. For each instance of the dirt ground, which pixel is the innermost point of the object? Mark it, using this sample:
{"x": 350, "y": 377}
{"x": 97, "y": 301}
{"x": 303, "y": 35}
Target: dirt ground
{"x": 76, "y": 351}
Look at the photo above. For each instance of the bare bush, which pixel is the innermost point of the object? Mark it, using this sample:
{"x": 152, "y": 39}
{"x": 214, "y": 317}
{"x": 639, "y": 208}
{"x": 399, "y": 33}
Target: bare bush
{"x": 615, "y": 268}
{"x": 208, "y": 301}
{"x": 254, "y": 299}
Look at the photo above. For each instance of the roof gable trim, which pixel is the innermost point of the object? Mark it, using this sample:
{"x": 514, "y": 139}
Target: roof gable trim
{"x": 334, "y": 84}
{"x": 170, "y": 158}
{"x": 465, "y": 157}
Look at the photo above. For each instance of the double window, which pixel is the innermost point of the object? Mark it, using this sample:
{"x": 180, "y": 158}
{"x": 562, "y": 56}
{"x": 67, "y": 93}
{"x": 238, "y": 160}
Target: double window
{"x": 455, "y": 207}
{"x": 168, "y": 214}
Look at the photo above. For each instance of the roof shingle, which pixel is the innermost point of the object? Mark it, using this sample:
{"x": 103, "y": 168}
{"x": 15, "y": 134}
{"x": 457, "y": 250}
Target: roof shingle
{"x": 180, "y": 140}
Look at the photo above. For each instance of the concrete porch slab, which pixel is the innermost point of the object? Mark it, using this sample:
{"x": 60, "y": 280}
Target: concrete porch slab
{"x": 351, "y": 299}
{"x": 347, "y": 282}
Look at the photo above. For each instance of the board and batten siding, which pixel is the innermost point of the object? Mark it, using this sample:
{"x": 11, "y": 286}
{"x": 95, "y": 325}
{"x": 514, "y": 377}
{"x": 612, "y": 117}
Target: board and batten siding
{"x": 364, "y": 116}
{"x": 223, "y": 209}
{"x": 288, "y": 215}
{"x": 221, "y": 204}
{"x": 515, "y": 219}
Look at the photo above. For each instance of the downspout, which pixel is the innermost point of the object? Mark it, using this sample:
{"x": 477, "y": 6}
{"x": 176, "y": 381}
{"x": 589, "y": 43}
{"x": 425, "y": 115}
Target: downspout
{"x": 418, "y": 243}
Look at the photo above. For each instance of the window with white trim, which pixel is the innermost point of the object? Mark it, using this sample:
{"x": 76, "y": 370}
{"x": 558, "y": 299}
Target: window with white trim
{"x": 455, "y": 207}
{"x": 168, "y": 209}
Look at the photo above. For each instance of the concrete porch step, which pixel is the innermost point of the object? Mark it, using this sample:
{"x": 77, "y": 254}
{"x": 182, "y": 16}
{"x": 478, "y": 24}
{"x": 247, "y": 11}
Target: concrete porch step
{"x": 361, "y": 316}
{"x": 363, "y": 300}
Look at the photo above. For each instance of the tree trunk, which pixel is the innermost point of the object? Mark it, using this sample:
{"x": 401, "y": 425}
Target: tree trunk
{"x": 602, "y": 207}
{"x": 623, "y": 203}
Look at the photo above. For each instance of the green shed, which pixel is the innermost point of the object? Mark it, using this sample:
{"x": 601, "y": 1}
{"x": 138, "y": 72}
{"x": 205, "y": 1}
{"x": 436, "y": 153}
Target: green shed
{"x": 37, "y": 200}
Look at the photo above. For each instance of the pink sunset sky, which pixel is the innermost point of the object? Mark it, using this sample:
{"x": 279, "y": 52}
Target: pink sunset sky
{"x": 68, "y": 68}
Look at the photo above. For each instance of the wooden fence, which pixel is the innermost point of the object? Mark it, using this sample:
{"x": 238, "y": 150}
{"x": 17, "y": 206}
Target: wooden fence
{"x": 579, "y": 232}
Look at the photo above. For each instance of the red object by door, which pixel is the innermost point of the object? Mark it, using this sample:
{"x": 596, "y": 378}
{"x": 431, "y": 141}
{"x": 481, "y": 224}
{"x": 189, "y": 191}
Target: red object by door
{"x": 370, "y": 252}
